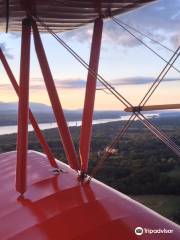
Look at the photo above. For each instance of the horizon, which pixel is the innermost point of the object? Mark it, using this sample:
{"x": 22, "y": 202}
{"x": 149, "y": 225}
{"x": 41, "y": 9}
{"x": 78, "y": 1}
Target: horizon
{"x": 97, "y": 110}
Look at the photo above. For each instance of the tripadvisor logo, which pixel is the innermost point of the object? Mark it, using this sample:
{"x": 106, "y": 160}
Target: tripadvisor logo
{"x": 139, "y": 231}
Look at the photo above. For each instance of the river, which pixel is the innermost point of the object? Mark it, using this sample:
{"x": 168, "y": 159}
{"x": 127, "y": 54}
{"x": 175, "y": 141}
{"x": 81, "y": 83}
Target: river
{"x": 13, "y": 129}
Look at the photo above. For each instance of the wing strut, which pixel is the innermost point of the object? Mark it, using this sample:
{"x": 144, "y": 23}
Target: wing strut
{"x": 23, "y": 109}
{"x": 86, "y": 129}
{"x": 152, "y": 107}
{"x": 56, "y": 105}
{"x": 32, "y": 119}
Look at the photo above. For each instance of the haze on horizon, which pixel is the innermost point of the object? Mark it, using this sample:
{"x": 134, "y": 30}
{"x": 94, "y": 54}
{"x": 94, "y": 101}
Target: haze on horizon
{"x": 129, "y": 66}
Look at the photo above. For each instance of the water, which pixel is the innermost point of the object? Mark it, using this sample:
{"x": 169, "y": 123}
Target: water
{"x": 43, "y": 126}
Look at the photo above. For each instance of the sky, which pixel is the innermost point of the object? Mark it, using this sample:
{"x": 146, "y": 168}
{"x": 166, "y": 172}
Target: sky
{"x": 124, "y": 62}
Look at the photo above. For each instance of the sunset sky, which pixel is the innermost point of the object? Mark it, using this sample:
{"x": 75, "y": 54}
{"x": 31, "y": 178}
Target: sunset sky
{"x": 129, "y": 66}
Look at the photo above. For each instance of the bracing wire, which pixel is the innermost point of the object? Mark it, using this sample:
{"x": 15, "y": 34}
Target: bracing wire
{"x": 142, "y": 42}
{"x": 163, "y": 73}
{"x": 159, "y": 134}
{"x": 107, "y": 153}
{"x": 124, "y": 101}
{"x": 149, "y": 125}
{"x": 145, "y": 35}
{"x": 160, "y": 77}
{"x": 102, "y": 89}
{"x": 146, "y": 122}
{"x": 162, "y": 136}
{"x": 102, "y": 80}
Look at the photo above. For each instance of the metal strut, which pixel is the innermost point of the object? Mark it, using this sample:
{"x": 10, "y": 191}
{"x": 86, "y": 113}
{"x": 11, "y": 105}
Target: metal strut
{"x": 107, "y": 153}
{"x": 55, "y": 102}
{"x": 7, "y": 15}
{"x": 84, "y": 64}
{"x": 32, "y": 119}
{"x": 23, "y": 109}
{"x": 87, "y": 118}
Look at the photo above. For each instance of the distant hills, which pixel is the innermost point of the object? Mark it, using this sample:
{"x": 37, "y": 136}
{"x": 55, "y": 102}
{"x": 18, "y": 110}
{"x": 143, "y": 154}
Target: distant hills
{"x": 44, "y": 113}
{"x": 35, "y": 107}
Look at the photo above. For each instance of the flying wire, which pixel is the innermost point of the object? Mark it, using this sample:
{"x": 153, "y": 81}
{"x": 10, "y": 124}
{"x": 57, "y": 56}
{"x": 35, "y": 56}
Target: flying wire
{"x": 145, "y": 35}
{"x": 124, "y": 101}
{"x": 143, "y": 43}
{"x": 107, "y": 152}
{"x": 160, "y": 77}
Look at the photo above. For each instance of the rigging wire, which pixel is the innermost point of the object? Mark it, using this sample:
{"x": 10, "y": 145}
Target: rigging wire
{"x": 7, "y": 15}
{"x": 145, "y": 35}
{"x": 124, "y": 101}
{"x": 168, "y": 63}
{"x": 148, "y": 124}
{"x": 162, "y": 136}
{"x": 159, "y": 134}
{"x": 160, "y": 77}
{"x": 108, "y": 151}
{"x": 104, "y": 90}
{"x": 142, "y": 42}
{"x": 102, "y": 80}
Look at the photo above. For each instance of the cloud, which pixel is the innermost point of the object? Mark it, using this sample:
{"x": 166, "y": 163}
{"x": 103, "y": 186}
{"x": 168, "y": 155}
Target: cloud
{"x": 6, "y": 50}
{"x": 38, "y": 83}
{"x": 15, "y": 35}
{"x": 160, "y": 16}
{"x": 175, "y": 39}
{"x": 160, "y": 20}
{"x": 76, "y": 83}
{"x": 5, "y": 86}
{"x": 138, "y": 81}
